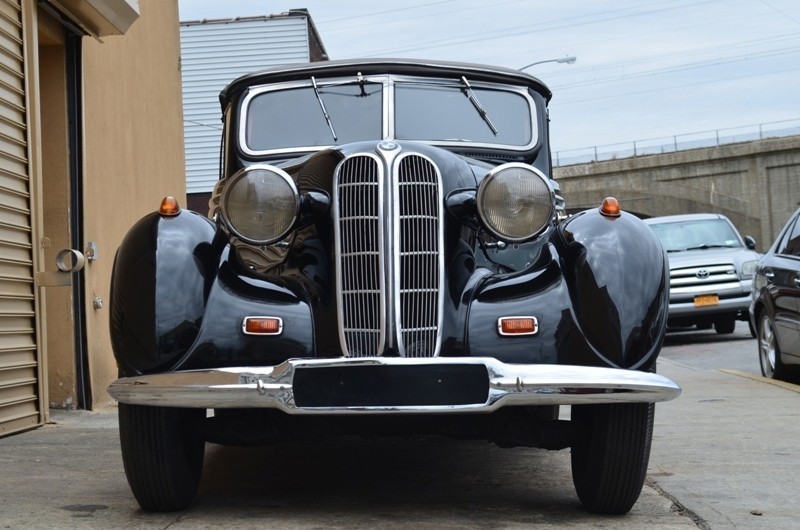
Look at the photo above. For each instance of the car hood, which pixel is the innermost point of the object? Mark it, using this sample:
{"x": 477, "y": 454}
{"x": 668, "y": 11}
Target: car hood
{"x": 710, "y": 256}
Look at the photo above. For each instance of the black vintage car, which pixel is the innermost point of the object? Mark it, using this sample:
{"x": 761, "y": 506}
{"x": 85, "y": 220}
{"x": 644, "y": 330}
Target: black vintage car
{"x": 386, "y": 254}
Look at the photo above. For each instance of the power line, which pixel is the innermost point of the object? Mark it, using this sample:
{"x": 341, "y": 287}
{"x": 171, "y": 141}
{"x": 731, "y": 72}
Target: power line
{"x": 679, "y": 68}
{"x": 671, "y": 87}
{"x": 553, "y": 25}
{"x": 671, "y": 56}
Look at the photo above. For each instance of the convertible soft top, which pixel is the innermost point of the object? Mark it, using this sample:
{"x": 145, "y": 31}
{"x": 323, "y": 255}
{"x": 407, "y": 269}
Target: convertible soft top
{"x": 472, "y": 71}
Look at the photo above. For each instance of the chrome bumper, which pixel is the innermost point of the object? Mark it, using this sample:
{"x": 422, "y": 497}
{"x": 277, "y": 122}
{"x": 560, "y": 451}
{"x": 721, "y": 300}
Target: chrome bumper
{"x": 507, "y": 384}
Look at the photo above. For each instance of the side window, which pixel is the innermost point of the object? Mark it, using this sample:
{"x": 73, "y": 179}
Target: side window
{"x": 791, "y": 243}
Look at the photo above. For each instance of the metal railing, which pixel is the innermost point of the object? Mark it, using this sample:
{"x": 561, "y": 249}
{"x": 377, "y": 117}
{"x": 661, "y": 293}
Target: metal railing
{"x": 681, "y": 142}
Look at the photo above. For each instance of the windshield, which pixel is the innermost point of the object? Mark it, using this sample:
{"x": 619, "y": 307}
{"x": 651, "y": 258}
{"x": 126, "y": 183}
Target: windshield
{"x": 696, "y": 235}
{"x": 446, "y": 113}
{"x": 293, "y": 118}
{"x": 320, "y": 113}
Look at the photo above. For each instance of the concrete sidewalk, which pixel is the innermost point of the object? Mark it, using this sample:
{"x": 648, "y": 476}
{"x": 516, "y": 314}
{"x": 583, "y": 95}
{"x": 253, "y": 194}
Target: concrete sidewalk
{"x": 727, "y": 448}
{"x": 725, "y": 451}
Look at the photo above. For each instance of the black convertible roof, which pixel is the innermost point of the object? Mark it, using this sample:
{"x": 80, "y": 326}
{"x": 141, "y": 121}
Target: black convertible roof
{"x": 292, "y": 72}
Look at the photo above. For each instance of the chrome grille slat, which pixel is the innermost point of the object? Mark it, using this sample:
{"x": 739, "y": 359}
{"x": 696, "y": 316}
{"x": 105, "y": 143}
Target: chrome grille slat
{"x": 389, "y": 223}
{"x": 686, "y": 278}
{"x": 420, "y": 270}
{"x": 359, "y": 244}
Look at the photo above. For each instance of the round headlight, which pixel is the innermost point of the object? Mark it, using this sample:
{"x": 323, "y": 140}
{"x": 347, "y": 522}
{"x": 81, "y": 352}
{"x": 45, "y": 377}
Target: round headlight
{"x": 515, "y": 202}
{"x": 260, "y": 204}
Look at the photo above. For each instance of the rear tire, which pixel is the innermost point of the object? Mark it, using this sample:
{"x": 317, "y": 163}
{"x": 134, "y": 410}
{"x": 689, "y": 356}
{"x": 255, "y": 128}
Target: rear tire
{"x": 609, "y": 462}
{"x": 162, "y": 451}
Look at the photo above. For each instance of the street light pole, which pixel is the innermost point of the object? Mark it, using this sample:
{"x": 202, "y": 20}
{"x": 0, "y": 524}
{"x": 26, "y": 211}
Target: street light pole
{"x": 569, "y": 59}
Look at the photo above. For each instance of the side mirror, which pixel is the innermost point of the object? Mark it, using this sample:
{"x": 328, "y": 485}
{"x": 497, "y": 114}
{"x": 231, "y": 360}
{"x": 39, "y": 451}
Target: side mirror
{"x": 749, "y": 242}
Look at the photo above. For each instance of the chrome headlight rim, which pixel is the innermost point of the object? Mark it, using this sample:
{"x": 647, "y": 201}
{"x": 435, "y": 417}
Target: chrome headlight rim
{"x": 243, "y": 173}
{"x": 487, "y": 181}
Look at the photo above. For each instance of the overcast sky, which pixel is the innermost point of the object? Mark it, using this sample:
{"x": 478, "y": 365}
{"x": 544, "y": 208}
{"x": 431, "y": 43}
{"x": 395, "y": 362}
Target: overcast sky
{"x": 645, "y": 69}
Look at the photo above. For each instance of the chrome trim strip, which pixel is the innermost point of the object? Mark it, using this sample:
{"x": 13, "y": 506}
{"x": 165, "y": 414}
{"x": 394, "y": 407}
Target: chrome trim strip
{"x": 509, "y": 384}
{"x": 388, "y": 152}
{"x": 388, "y": 110}
{"x": 709, "y": 288}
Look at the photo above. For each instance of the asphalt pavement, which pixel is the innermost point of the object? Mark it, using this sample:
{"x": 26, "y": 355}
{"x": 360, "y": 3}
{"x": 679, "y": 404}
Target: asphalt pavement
{"x": 724, "y": 456}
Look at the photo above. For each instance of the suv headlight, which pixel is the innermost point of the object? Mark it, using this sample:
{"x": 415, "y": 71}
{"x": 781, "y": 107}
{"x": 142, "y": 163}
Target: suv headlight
{"x": 515, "y": 202}
{"x": 748, "y": 269}
{"x": 260, "y": 204}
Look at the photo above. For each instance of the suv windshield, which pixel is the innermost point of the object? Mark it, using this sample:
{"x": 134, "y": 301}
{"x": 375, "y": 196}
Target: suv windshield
{"x": 696, "y": 234}
{"x": 323, "y": 113}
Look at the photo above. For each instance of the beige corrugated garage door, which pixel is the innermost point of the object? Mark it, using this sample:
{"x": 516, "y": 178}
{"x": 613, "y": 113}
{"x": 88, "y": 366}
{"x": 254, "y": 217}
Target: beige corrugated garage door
{"x": 19, "y": 382}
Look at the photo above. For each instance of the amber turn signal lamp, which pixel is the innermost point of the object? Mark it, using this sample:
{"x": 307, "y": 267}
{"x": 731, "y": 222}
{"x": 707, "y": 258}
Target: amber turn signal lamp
{"x": 610, "y": 207}
{"x": 262, "y": 326}
{"x": 169, "y": 207}
{"x": 517, "y": 325}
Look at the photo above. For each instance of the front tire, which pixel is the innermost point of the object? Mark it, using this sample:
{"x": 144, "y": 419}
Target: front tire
{"x": 610, "y": 461}
{"x": 769, "y": 353}
{"x": 162, "y": 451}
{"x": 725, "y": 326}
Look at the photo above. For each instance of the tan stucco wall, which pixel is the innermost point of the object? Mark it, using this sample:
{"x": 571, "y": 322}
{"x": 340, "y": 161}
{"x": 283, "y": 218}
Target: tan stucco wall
{"x": 133, "y": 153}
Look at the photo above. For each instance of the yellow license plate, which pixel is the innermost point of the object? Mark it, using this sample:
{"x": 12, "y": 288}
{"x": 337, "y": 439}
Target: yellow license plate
{"x": 706, "y": 300}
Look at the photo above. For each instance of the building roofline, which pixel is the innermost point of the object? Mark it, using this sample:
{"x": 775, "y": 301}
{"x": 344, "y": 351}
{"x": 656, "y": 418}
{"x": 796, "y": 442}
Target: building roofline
{"x": 316, "y": 49}
{"x": 255, "y": 18}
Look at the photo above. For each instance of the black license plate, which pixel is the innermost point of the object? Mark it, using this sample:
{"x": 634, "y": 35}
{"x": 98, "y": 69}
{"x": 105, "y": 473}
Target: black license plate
{"x": 391, "y": 386}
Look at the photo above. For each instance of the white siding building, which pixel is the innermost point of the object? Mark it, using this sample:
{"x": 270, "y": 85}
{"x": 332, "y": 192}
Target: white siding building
{"x": 214, "y": 53}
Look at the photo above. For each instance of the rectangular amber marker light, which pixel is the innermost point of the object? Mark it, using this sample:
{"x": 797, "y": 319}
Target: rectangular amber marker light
{"x": 517, "y": 326}
{"x": 262, "y": 326}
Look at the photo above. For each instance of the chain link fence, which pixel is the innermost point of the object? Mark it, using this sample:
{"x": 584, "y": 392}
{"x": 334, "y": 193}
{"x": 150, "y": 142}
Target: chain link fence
{"x": 681, "y": 142}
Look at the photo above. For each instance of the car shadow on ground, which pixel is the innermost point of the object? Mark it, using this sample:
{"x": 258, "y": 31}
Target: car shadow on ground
{"x": 388, "y": 479}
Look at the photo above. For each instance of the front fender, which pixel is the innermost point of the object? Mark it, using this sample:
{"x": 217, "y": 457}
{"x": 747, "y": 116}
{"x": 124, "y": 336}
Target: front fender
{"x": 617, "y": 275}
{"x": 160, "y": 280}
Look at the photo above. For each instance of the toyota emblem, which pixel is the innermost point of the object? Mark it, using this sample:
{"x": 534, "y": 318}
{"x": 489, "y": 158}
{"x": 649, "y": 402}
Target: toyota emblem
{"x": 702, "y": 274}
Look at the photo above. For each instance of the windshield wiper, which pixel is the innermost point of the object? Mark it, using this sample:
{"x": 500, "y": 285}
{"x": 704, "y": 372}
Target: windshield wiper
{"x": 467, "y": 90}
{"x": 705, "y": 246}
{"x": 322, "y": 106}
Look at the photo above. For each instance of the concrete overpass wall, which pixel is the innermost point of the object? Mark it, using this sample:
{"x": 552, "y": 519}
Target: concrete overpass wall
{"x": 756, "y": 184}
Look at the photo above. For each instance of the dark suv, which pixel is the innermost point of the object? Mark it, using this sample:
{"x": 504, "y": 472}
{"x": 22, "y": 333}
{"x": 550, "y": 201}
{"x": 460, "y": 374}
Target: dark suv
{"x": 386, "y": 255}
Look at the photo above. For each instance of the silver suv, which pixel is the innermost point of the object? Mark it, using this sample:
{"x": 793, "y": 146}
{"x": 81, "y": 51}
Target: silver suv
{"x": 711, "y": 269}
